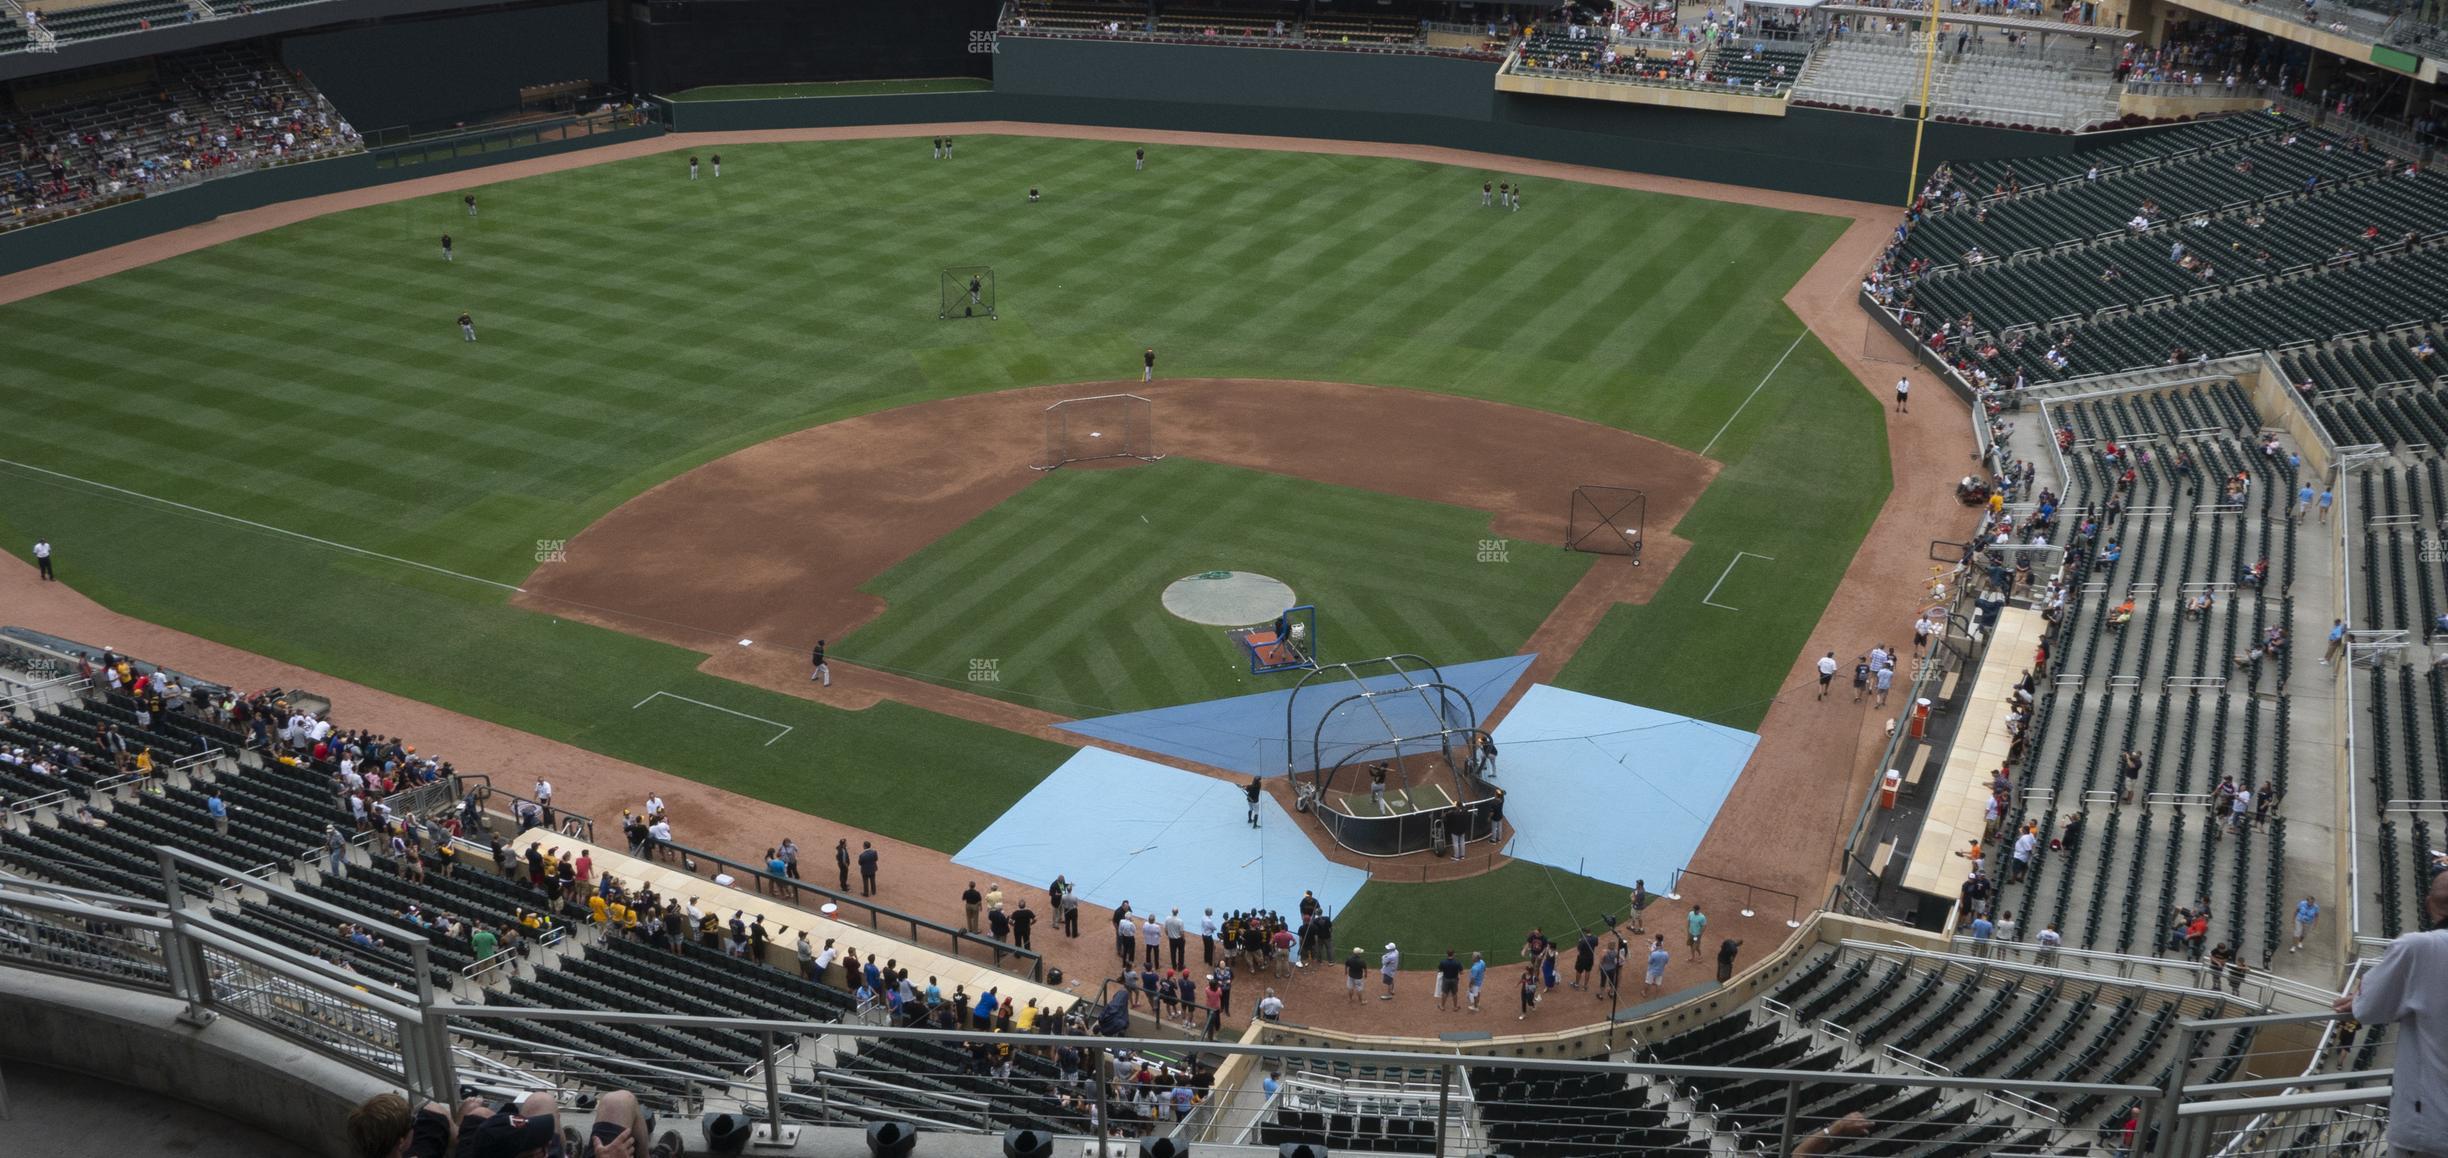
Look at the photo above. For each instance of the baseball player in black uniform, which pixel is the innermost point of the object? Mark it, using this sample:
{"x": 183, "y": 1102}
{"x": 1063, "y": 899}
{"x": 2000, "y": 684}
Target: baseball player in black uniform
{"x": 1487, "y": 194}
{"x": 1032, "y": 194}
{"x": 692, "y": 168}
{"x": 1139, "y": 159}
{"x": 823, "y": 671}
{"x": 717, "y": 164}
{"x": 470, "y": 202}
{"x": 1517, "y": 192}
{"x": 467, "y": 325}
{"x": 446, "y": 247}
{"x": 939, "y": 148}
{"x": 947, "y": 148}
{"x": 976, "y": 288}
{"x": 1252, "y": 793}
{"x": 1504, "y": 193}
{"x": 1147, "y": 370}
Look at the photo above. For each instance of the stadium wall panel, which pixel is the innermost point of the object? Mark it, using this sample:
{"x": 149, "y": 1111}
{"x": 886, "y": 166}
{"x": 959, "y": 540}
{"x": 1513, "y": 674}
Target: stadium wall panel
{"x": 433, "y": 71}
{"x": 1439, "y": 101}
{"x": 680, "y": 46}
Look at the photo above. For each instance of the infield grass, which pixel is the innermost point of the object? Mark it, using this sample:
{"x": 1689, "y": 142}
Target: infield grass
{"x": 1060, "y": 587}
{"x": 635, "y": 324}
{"x": 1491, "y": 913}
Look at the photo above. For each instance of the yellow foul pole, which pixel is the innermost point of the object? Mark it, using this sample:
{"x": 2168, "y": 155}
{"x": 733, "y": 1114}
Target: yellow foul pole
{"x": 1929, "y": 67}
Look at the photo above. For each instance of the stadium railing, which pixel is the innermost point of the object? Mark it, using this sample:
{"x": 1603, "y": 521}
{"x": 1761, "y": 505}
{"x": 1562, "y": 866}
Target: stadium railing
{"x": 797, "y": 892}
{"x": 407, "y": 1038}
{"x": 474, "y": 142}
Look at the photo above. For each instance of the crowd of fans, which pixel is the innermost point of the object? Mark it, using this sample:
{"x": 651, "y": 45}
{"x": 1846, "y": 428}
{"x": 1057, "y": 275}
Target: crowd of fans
{"x": 197, "y": 119}
{"x": 1653, "y": 45}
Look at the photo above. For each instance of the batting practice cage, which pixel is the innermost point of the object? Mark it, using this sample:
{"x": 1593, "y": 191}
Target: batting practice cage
{"x": 1387, "y": 756}
{"x": 968, "y": 292}
{"x": 1102, "y": 426}
{"x": 1606, "y": 521}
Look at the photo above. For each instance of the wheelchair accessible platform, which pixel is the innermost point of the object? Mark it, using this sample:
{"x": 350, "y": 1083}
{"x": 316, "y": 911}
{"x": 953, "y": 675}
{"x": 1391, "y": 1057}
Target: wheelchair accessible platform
{"x": 1125, "y": 829}
{"x": 1612, "y": 790}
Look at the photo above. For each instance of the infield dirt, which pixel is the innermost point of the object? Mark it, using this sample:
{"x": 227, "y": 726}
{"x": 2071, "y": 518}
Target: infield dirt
{"x": 1780, "y": 828}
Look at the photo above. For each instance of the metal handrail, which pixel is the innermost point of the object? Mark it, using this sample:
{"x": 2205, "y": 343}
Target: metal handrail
{"x": 424, "y": 1021}
{"x": 33, "y": 692}
{"x": 876, "y": 913}
{"x": 1408, "y": 1058}
{"x": 2124, "y": 962}
{"x": 36, "y": 804}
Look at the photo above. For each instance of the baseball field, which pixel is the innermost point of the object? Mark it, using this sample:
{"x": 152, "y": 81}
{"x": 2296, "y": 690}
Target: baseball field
{"x": 284, "y": 443}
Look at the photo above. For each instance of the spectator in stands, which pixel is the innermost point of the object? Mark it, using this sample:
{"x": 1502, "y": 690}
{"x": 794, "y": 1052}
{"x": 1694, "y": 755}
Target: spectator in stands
{"x": 384, "y": 1126}
{"x": 2026, "y": 846}
{"x": 2404, "y": 989}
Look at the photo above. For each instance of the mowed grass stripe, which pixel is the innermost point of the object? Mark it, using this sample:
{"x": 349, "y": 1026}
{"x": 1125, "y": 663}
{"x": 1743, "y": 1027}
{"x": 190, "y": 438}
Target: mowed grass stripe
{"x": 635, "y": 325}
{"x": 1062, "y": 583}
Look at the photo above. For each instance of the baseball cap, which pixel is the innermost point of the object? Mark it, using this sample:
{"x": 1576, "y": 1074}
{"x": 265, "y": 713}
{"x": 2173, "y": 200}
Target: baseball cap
{"x": 1389, "y": 944}
{"x": 511, "y": 1136}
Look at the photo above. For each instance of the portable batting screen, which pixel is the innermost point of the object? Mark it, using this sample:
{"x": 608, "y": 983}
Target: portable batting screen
{"x": 1102, "y": 426}
{"x": 1606, "y": 521}
{"x": 968, "y": 292}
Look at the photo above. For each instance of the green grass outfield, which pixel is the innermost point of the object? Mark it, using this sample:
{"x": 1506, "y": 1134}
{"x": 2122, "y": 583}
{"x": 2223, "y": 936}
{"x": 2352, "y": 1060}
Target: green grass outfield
{"x": 636, "y": 324}
{"x": 834, "y": 88}
{"x": 1061, "y": 585}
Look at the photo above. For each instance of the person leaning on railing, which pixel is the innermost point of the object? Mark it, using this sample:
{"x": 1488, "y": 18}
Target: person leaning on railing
{"x": 2410, "y": 986}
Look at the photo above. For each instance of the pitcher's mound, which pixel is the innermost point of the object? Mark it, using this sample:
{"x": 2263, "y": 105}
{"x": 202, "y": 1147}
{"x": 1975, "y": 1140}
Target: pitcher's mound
{"x": 1227, "y": 598}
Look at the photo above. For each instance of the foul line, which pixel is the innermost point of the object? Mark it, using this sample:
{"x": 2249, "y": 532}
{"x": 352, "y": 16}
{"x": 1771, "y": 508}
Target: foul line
{"x": 1711, "y": 597}
{"x": 786, "y": 728}
{"x": 262, "y": 526}
{"x": 1729, "y": 422}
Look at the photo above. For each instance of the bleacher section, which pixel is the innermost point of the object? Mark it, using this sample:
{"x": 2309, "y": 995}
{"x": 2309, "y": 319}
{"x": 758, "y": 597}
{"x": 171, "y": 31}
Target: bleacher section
{"x": 2262, "y": 234}
{"x": 1853, "y": 1010}
{"x": 2167, "y": 684}
{"x": 2061, "y": 89}
{"x": 113, "y": 19}
{"x": 1752, "y": 67}
{"x": 1360, "y": 28}
{"x": 2396, "y": 542}
{"x": 187, "y": 118}
{"x": 277, "y": 832}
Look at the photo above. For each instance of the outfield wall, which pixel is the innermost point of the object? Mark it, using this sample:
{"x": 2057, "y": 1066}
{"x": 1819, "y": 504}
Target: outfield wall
{"x": 1412, "y": 100}
{"x": 672, "y": 45}
{"x": 1316, "y": 94}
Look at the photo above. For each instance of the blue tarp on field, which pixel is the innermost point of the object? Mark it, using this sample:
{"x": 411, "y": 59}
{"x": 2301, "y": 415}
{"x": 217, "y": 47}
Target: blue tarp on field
{"x": 1613, "y": 790}
{"x": 1245, "y": 734}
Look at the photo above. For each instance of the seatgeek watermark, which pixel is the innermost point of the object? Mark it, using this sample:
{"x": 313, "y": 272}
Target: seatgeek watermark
{"x": 985, "y": 671}
{"x": 1495, "y": 550}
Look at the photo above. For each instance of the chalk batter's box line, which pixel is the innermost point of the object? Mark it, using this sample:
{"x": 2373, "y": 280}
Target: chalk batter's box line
{"x": 1711, "y": 597}
{"x": 786, "y": 728}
